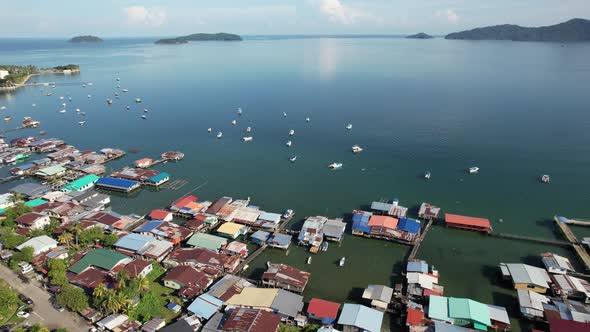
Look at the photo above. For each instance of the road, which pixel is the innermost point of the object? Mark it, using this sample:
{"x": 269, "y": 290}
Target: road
{"x": 43, "y": 312}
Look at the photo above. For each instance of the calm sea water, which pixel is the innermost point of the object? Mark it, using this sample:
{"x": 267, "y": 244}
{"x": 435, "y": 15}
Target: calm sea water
{"x": 516, "y": 110}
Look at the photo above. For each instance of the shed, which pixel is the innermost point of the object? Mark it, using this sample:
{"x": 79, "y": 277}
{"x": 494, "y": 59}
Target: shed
{"x": 417, "y": 266}
{"x": 271, "y": 217}
{"x": 469, "y": 223}
{"x": 528, "y": 277}
{"x": 117, "y": 184}
{"x": 40, "y": 244}
{"x": 158, "y": 179}
{"x": 379, "y": 295}
{"x": 51, "y": 171}
{"x": 231, "y": 230}
{"x": 334, "y": 229}
{"x": 325, "y": 311}
{"x": 80, "y": 184}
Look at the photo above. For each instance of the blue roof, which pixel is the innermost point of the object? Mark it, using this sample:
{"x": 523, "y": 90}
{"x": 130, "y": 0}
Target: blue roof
{"x": 160, "y": 177}
{"x": 409, "y": 225}
{"x": 133, "y": 241}
{"x": 260, "y": 235}
{"x": 205, "y": 306}
{"x": 282, "y": 239}
{"x": 420, "y": 266}
{"x": 361, "y": 223}
{"x": 173, "y": 306}
{"x": 26, "y": 166}
{"x": 365, "y": 318}
{"x": 114, "y": 182}
{"x": 148, "y": 226}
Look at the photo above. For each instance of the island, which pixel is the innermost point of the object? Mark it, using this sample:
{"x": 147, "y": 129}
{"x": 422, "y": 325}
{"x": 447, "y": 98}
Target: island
{"x": 200, "y": 37}
{"x": 571, "y": 31}
{"x": 420, "y": 35}
{"x": 13, "y": 76}
{"x": 85, "y": 39}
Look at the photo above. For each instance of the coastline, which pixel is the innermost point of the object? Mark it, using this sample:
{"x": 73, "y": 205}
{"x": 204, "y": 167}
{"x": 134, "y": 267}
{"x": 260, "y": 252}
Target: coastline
{"x": 42, "y": 73}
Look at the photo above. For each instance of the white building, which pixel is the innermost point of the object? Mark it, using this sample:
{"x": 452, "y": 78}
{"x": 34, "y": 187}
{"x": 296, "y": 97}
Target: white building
{"x": 40, "y": 244}
{"x": 557, "y": 264}
{"x": 3, "y": 73}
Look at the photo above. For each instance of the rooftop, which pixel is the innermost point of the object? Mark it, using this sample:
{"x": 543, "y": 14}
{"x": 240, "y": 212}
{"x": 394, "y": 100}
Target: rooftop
{"x": 322, "y": 308}
{"x": 103, "y": 258}
{"x": 251, "y": 320}
{"x": 254, "y": 297}
{"x": 365, "y": 318}
{"x": 468, "y": 221}
{"x": 287, "y": 274}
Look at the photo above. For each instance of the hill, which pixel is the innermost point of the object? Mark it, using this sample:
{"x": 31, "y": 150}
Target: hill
{"x": 85, "y": 39}
{"x": 200, "y": 37}
{"x": 420, "y": 35}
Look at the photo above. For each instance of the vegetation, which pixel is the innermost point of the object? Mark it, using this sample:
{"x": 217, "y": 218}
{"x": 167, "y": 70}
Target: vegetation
{"x": 420, "y": 35}
{"x": 25, "y": 255}
{"x": 200, "y": 37}
{"x": 67, "y": 67}
{"x": 11, "y": 240}
{"x": 16, "y": 74}
{"x": 18, "y": 209}
{"x": 57, "y": 272}
{"x": 9, "y": 302}
{"x": 85, "y": 39}
{"x": 73, "y": 298}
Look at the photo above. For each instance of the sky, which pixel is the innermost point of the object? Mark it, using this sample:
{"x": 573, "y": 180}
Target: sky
{"x": 110, "y": 18}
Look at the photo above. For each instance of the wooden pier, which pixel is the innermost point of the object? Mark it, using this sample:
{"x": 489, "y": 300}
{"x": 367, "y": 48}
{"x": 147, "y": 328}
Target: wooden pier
{"x": 250, "y": 258}
{"x": 578, "y": 222}
{"x": 529, "y": 238}
{"x": 418, "y": 242}
{"x": 571, "y": 238}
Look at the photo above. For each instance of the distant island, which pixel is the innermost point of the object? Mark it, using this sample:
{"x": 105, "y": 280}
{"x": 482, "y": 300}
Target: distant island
{"x": 573, "y": 30}
{"x": 200, "y": 37}
{"x": 85, "y": 39}
{"x": 420, "y": 35}
{"x": 13, "y": 76}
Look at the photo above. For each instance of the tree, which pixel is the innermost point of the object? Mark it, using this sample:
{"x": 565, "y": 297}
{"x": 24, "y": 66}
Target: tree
{"x": 100, "y": 291}
{"x": 90, "y": 235}
{"x": 72, "y": 298}
{"x": 124, "y": 302}
{"x": 10, "y": 240}
{"x": 76, "y": 229}
{"x": 15, "y": 198}
{"x": 14, "y": 212}
{"x": 57, "y": 272}
{"x": 65, "y": 238}
{"x": 38, "y": 328}
{"x": 111, "y": 302}
{"x": 122, "y": 278}
{"x": 24, "y": 255}
{"x": 142, "y": 284}
{"x": 110, "y": 239}
{"x": 53, "y": 225}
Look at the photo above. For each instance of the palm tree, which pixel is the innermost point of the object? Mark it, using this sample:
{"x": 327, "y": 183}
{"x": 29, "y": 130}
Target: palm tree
{"x": 100, "y": 291}
{"x": 111, "y": 301}
{"x": 143, "y": 284}
{"x": 122, "y": 278}
{"x": 124, "y": 302}
{"x": 66, "y": 238}
{"x": 76, "y": 229}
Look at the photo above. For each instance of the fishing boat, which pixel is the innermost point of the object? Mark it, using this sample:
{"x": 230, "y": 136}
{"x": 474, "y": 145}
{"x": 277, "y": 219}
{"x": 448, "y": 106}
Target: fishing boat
{"x": 307, "y": 119}
{"x": 82, "y": 113}
{"x": 42, "y": 132}
{"x": 335, "y": 166}
{"x": 3, "y": 108}
{"x": 356, "y": 149}
{"x": 342, "y": 260}
{"x": 116, "y": 94}
{"x": 288, "y": 214}
{"x": 473, "y": 169}
{"x": 219, "y": 134}
{"x": 109, "y": 101}
{"x": 209, "y": 130}
{"x": 138, "y": 100}
{"x": 90, "y": 84}
{"x": 248, "y": 138}
{"x": 291, "y": 132}
{"x": 427, "y": 175}
{"x": 289, "y": 143}
{"x": 7, "y": 119}
{"x": 118, "y": 79}
{"x": 249, "y": 129}
{"x": 349, "y": 126}
{"x": 125, "y": 90}
{"x": 545, "y": 178}
{"x": 234, "y": 122}
{"x": 239, "y": 111}
{"x": 63, "y": 104}
{"x": 144, "y": 116}
{"x": 34, "y": 105}
{"x": 62, "y": 111}
{"x": 81, "y": 123}
{"x": 292, "y": 159}
{"x": 285, "y": 114}
{"x": 61, "y": 97}
{"x": 325, "y": 246}
{"x": 309, "y": 260}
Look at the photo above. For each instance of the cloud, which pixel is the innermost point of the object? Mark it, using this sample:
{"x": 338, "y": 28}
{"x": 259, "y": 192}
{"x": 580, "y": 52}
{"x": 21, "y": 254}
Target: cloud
{"x": 140, "y": 15}
{"x": 336, "y": 12}
{"x": 448, "y": 14}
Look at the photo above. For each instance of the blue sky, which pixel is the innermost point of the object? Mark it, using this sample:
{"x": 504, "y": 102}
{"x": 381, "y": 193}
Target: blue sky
{"x": 58, "y": 18}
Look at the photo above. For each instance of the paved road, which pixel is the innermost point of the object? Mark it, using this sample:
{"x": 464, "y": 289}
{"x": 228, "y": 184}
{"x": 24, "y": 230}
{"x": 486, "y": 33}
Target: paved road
{"x": 43, "y": 312}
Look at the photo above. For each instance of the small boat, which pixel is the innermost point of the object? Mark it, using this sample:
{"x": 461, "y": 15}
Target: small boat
{"x": 70, "y": 98}
{"x": 288, "y": 214}
{"x": 289, "y": 143}
{"x": 219, "y": 134}
{"x": 342, "y": 260}
{"x": 427, "y": 175}
{"x": 356, "y": 149}
{"x": 118, "y": 86}
{"x": 349, "y": 126}
{"x": 248, "y": 138}
{"x": 234, "y": 122}
{"x": 307, "y": 119}
{"x": 325, "y": 245}
{"x": 545, "y": 178}
{"x": 83, "y": 85}
{"x": 90, "y": 84}
{"x": 309, "y": 260}
{"x": 62, "y": 111}
{"x": 145, "y": 110}
{"x": 42, "y": 132}
{"x": 109, "y": 101}
{"x": 267, "y": 263}
{"x": 81, "y": 123}
{"x": 138, "y": 100}
{"x": 34, "y": 105}
{"x": 209, "y": 130}
{"x": 285, "y": 114}
{"x": 118, "y": 79}
{"x": 63, "y": 104}
{"x": 48, "y": 94}
{"x": 7, "y": 119}
{"x": 125, "y": 90}
{"x": 61, "y": 97}
{"x": 128, "y": 107}
{"x": 77, "y": 110}
{"x": 144, "y": 116}
{"x": 249, "y": 129}
{"x": 291, "y": 132}
{"x": 292, "y": 159}
{"x": 116, "y": 94}
{"x": 89, "y": 96}
{"x": 335, "y": 166}
{"x": 239, "y": 111}
{"x": 473, "y": 169}
{"x": 3, "y": 108}
{"x": 82, "y": 113}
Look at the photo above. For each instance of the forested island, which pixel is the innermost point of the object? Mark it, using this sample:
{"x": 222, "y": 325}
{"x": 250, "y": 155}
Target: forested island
{"x": 420, "y": 35}
{"x": 85, "y": 39}
{"x": 200, "y": 37}
{"x": 18, "y": 75}
{"x": 571, "y": 31}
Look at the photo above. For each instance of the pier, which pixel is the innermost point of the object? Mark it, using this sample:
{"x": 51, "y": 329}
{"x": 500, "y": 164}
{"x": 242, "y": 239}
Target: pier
{"x": 529, "y": 238}
{"x": 571, "y": 238}
{"x": 418, "y": 242}
{"x": 250, "y": 258}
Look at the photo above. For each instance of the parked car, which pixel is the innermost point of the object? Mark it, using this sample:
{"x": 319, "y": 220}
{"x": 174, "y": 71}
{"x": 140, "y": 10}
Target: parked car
{"x": 58, "y": 307}
{"x": 23, "y": 314}
{"x": 25, "y": 299}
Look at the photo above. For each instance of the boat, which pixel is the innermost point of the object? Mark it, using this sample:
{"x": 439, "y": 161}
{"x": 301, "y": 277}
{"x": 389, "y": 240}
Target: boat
{"x": 291, "y": 132}
{"x": 89, "y": 96}
{"x": 288, "y": 213}
{"x": 545, "y": 178}
{"x": 356, "y": 149}
{"x": 118, "y": 79}
{"x": 335, "y": 166}
{"x": 34, "y": 105}
{"x": 81, "y": 123}
{"x": 61, "y": 97}
{"x": 209, "y": 130}
{"x": 342, "y": 260}
{"x": 234, "y": 122}
{"x": 63, "y": 104}
{"x": 267, "y": 263}
{"x": 48, "y": 94}
{"x": 145, "y": 110}
{"x": 473, "y": 169}
{"x": 239, "y": 111}
{"x": 309, "y": 260}
{"x": 82, "y": 113}
{"x": 83, "y": 85}
{"x": 7, "y": 119}
{"x": 109, "y": 101}
{"x": 325, "y": 246}
{"x": 62, "y": 111}
{"x": 307, "y": 119}
{"x": 118, "y": 86}
{"x": 285, "y": 114}
{"x": 77, "y": 110}
{"x": 138, "y": 100}
{"x": 219, "y": 134}
{"x": 70, "y": 98}
{"x": 349, "y": 126}
{"x": 116, "y": 94}
{"x": 125, "y": 90}
{"x": 144, "y": 116}
{"x": 249, "y": 129}
{"x": 128, "y": 107}
{"x": 292, "y": 159}
{"x": 248, "y": 138}
{"x": 42, "y": 132}
{"x": 289, "y": 143}
{"x": 90, "y": 84}
{"x": 3, "y": 108}
{"x": 427, "y": 175}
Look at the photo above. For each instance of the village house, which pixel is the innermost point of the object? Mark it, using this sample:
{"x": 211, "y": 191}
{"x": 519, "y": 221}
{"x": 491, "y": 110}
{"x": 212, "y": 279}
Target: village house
{"x": 358, "y": 318}
{"x": 138, "y": 268}
{"x": 228, "y": 286}
{"x": 143, "y": 245}
{"x": 556, "y": 264}
{"x": 236, "y": 248}
{"x": 312, "y": 233}
{"x": 161, "y": 215}
{"x": 231, "y": 230}
{"x": 189, "y": 281}
{"x": 528, "y": 277}
{"x": 164, "y": 230}
{"x": 33, "y": 220}
{"x": 202, "y": 258}
{"x": 323, "y": 311}
{"x": 283, "y": 303}
{"x": 251, "y": 320}
{"x": 379, "y": 295}
{"x": 40, "y": 244}
{"x": 285, "y": 277}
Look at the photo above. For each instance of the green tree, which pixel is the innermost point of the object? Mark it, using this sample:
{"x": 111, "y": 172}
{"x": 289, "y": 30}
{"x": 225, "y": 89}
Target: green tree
{"x": 53, "y": 225}
{"x": 111, "y": 303}
{"x": 142, "y": 284}
{"x": 14, "y": 212}
{"x": 57, "y": 272}
{"x": 122, "y": 278}
{"x": 149, "y": 306}
{"x": 110, "y": 239}
{"x": 65, "y": 238}
{"x": 88, "y": 236}
{"x": 27, "y": 254}
{"x": 100, "y": 291}
{"x": 76, "y": 229}
{"x": 72, "y": 298}
{"x": 10, "y": 240}
{"x": 61, "y": 329}
{"x": 38, "y": 328}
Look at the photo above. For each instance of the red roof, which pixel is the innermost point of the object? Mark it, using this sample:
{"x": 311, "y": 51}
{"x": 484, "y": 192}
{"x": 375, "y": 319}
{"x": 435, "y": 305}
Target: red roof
{"x": 469, "y": 221}
{"x": 560, "y": 325}
{"x": 251, "y": 320}
{"x": 183, "y": 201}
{"x": 428, "y": 292}
{"x": 159, "y": 214}
{"x": 136, "y": 267}
{"x": 322, "y": 308}
{"x": 414, "y": 317}
{"x": 28, "y": 218}
{"x": 383, "y": 221}
{"x": 287, "y": 274}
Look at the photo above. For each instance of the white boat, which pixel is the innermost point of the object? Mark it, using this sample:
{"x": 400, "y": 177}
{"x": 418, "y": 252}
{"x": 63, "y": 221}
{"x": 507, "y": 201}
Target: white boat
{"x": 342, "y": 260}
{"x": 209, "y": 130}
{"x": 234, "y": 122}
{"x": 89, "y": 96}
{"x": 356, "y": 149}
{"x": 248, "y": 138}
{"x": 62, "y": 111}
{"x": 118, "y": 86}
{"x": 3, "y": 108}
{"x": 427, "y": 175}
{"x": 77, "y": 110}
{"x": 291, "y": 132}
{"x": 473, "y": 169}
{"x": 307, "y": 119}
{"x": 82, "y": 113}
{"x": 145, "y": 110}
{"x": 309, "y": 260}
{"x": 128, "y": 107}
{"x": 125, "y": 90}
{"x": 90, "y": 84}
{"x": 545, "y": 178}
{"x": 335, "y": 166}
{"x": 118, "y": 79}
{"x": 138, "y": 100}
{"x": 48, "y": 94}
{"x": 83, "y": 85}
{"x": 144, "y": 116}
{"x": 325, "y": 246}
{"x": 7, "y": 119}
{"x": 219, "y": 134}
{"x": 109, "y": 101}
{"x": 34, "y": 105}
{"x": 61, "y": 97}
{"x": 285, "y": 114}
{"x": 239, "y": 111}
{"x": 293, "y": 159}
{"x": 289, "y": 143}
{"x": 82, "y": 122}
{"x": 349, "y": 126}
{"x": 288, "y": 213}
{"x": 116, "y": 94}
{"x": 249, "y": 129}
{"x": 70, "y": 98}
{"x": 63, "y": 104}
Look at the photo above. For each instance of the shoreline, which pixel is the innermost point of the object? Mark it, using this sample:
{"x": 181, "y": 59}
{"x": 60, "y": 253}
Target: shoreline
{"x": 42, "y": 73}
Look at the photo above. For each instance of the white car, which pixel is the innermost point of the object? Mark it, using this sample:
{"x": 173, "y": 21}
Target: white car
{"x": 23, "y": 314}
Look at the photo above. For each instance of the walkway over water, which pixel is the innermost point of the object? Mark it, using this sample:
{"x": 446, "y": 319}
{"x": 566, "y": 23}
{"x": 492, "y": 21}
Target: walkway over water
{"x": 571, "y": 238}
{"x": 529, "y": 238}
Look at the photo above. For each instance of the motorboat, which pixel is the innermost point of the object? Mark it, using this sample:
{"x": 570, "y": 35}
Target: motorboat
{"x": 325, "y": 246}
{"x": 289, "y": 143}
{"x": 342, "y": 260}
{"x": 61, "y": 97}
{"x": 89, "y": 96}
{"x": 144, "y": 116}
{"x": 125, "y": 90}
{"x": 116, "y": 94}
{"x": 219, "y": 134}
{"x": 307, "y": 119}
{"x": 285, "y": 114}
{"x": 293, "y": 159}
{"x": 90, "y": 84}
{"x": 138, "y": 100}
{"x": 109, "y": 101}
{"x": 145, "y": 110}
{"x": 48, "y": 94}
{"x": 473, "y": 169}
{"x": 248, "y": 138}
{"x": 427, "y": 175}
{"x": 118, "y": 86}
{"x": 62, "y": 111}
{"x": 34, "y": 105}
{"x": 309, "y": 260}
{"x": 234, "y": 122}
{"x": 82, "y": 113}
{"x": 128, "y": 107}
{"x": 7, "y": 119}
{"x": 70, "y": 98}
{"x": 77, "y": 110}
{"x": 249, "y": 129}
{"x": 349, "y": 126}
{"x": 63, "y": 104}
{"x": 3, "y": 108}
{"x": 288, "y": 213}
{"x": 335, "y": 166}
{"x": 81, "y": 123}
{"x": 545, "y": 178}
{"x": 118, "y": 79}
{"x": 83, "y": 85}
{"x": 209, "y": 130}
{"x": 239, "y": 111}
{"x": 356, "y": 149}
{"x": 291, "y": 132}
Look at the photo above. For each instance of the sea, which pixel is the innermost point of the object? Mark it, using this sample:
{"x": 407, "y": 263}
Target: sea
{"x": 517, "y": 110}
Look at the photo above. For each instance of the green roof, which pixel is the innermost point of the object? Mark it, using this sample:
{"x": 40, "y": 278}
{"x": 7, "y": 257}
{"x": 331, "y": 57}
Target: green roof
{"x": 51, "y": 170}
{"x": 469, "y": 310}
{"x": 102, "y": 258}
{"x": 35, "y": 202}
{"x": 80, "y": 183}
{"x": 206, "y": 241}
{"x": 438, "y": 308}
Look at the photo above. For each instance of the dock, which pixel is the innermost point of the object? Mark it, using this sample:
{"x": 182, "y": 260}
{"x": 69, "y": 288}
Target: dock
{"x": 571, "y": 238}
{"x": 418, "y": 242}
{"x": 578, "y": 222}
{"x": 529, "y": 238}
{"x": 250, "y": 258}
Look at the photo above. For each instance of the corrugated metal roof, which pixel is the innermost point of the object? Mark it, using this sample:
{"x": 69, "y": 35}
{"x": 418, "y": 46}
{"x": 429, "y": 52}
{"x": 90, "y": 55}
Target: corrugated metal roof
{"x": 39, "y": 244}
{"x": 498, "y": 314}
{"x": 207, "y": 241}
{"x": 378, "y": 292}
{"x": 160, "y": 177}
{"x": 380, "y": 206}
{"x": 114, "y": 182}
{"x": 287, "y": 303}
{"x": 460, "y": 308}
{"x": 526, "y": 274}
{"x": 134, "y": 241}
{"x": 148, "y": 226}
{"x": 362, "y": 317}
{"x": 420, "y": 266}
{"x": 103, "y": 258}
{"x": 205, "y": 306}
{"x": 469, "y": 221}
{"x": 272, "y": 217}
{"x": 230, "y": 228}
{"x": 254, "y": 297}
{"x": 409, "y": 225}
{"x": 81, "y": 182}
{"x": 438, "y": 308}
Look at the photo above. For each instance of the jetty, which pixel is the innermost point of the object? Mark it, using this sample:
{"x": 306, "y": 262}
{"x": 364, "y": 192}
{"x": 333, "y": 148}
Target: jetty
{"x": 250, "y": 258}
{"x": 529, "y": 238}
{"x": 571, "y": 238}
{"x": 418, "y": 242}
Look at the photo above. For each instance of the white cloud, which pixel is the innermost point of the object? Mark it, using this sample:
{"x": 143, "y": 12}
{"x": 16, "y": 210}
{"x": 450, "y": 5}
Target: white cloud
{"x": 337, "y": 12}
{"x": 140, "y": 15}
{"x": 449, "y": 15}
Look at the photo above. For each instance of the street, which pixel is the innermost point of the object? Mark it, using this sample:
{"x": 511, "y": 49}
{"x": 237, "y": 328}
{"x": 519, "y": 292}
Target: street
{"x": 43, "y": 312}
